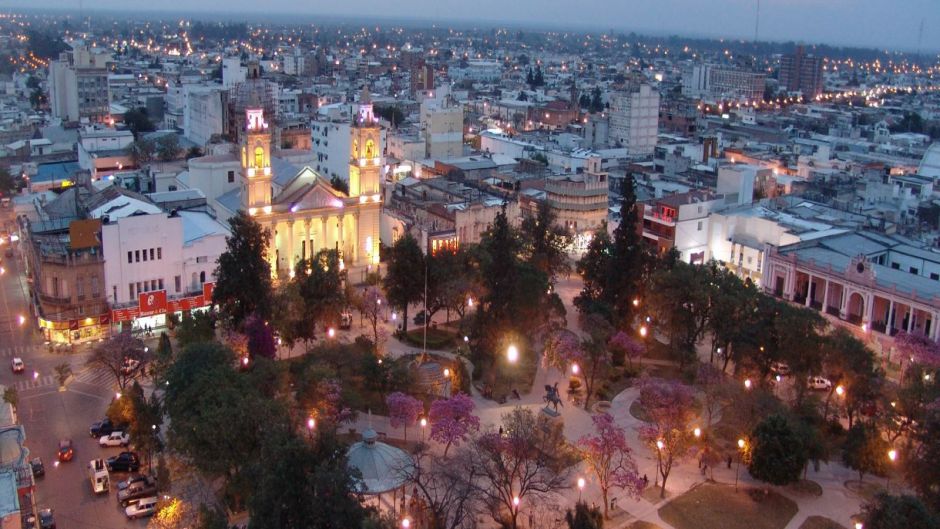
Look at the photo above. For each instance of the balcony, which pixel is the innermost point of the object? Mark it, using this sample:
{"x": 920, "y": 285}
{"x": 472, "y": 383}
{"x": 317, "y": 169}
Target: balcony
{"x": 58, "y": 299}
{"x": 659, "y": 218}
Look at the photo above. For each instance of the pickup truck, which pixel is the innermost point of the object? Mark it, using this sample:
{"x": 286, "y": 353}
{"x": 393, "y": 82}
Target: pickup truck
{"x": 104, "y": 427}
{"x": 136, "y": 491}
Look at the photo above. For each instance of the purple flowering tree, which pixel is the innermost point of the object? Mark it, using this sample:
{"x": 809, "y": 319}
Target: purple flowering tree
{"x": 403, "y": 410}
{"x": 630, "y": 348}
{"x": 670, "y": 408}
{"x": 452, "y": 420}
{"x": 609, "y": 457}
{"x": 563, "y": 349}
{"x": 329, "y": 403}
{"x": 918, "y": 349}
{"x": 260, "y": 336}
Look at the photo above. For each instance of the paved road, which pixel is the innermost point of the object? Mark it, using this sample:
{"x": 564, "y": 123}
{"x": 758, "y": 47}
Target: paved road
{"x": 49, "y": 414}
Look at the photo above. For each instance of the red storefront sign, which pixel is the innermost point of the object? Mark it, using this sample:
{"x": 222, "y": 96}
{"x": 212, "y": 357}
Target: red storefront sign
{"x": 119, "y": 315}
{"x": 150, "y": 303}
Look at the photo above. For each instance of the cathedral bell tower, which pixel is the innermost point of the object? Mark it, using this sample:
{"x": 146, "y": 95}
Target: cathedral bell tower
{"x": 365, "y": 157}
{"x": 256, "y": 164}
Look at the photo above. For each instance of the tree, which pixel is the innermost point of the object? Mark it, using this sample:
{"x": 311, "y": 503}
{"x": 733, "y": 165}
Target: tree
{"x": 446, "y": 488}
{"x": 137, "y": 121}
{"x": 340, "y": 185}
{"x": 715, "y": 392}
{"x": 304, "y": 485}
{"x": 681, "y": 307}
{"x": 735, "y": 301}
{"x": 193, "y": 152}
{"x": 7, "y": 182}
{"x": 545, "y": 243}
{"x": 584, "y": 517}
{"x": 62, "y": 373}
{"x": 142, "y": 151}
{"x": 597, "y": 103}
{"x": 218, "y": 417}
{"x": 592, "y": 267}
{"x": 371, "y": 303}
{"x": 919, "y": 349}
{"x": 320, "y": 285}
{"x": 920, "y": 462}
{"x": 624, "y": 347}
{"x": 168, "y": 147}
{"x": 865, "y": 451}
{"x": 243, "y": 274}
{"x": 260, "y": 337}
{"x": 669, "y": 406}
{"x": 11, "y": 396}
{"x": 404, "y": 276}
{"x": 452, "y": 420}
{"x": 608, "y": 455}
{"x": 776, "y": 452}
{"x": 403, "y": 410}
{"x": 287, "y": 313}
{"x": 846, "y": 361}
{"x": 897, "y": 512}
{"x": 523, "y": 465}
{"x": 114, "y": 354}
{"x": 195, "y": 327}
{"x": 173, "y": 513}
{"x": 798, "y": 339}
{"x": 145, "y": 422}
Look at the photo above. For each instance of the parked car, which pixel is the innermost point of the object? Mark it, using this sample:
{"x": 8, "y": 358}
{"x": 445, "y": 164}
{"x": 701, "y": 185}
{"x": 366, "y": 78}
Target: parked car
{"x": 133, "y": 478}
{"x": 46, "y": 519}
{"x": 143, "y": 507}
{"x": 116, "y": 438}
{"x": 819, "y": 383}
{"x": 104, "y": 427}
{"x": 780, "y": 368}
{"x": 136, "y": 492}
{"x": 17, "y": 365}
{"x": 124, "y": 462}
{"x": 66, "y": 450}
{"x": 38, "y": 469}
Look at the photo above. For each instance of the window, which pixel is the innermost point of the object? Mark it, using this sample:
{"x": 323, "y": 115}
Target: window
{"x": 896, "y": 266}
{"x": 259, "y": 157}
{"x": 178, "y": 283}
{"x": 114, "y": 292}
{"x": 153, "y": 284}
{"x": 914, "y": 270}
{"x": 151, "y": 254}
{"x": 136, "y": 256}
{"x": 231, "y": 177}
{"x": 130, "y": 291}
{"x": 140, "y": 287}
{"x": 935, "y": 276}
{"x": 130, "y": 256}
{"x": 203, "y": 259}
{"x": 94, "y": 286}
{"x": 160, "y": 284}
{"x": 202, "y": 277}
{"x": 145, "y": 254}
{"x": 80, "y": 288}
{"x": 159, "y": 253}
{"x": 699, "y": 225}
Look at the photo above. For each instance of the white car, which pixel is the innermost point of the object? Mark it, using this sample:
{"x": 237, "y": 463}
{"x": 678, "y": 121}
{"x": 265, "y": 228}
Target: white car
{"x": 819, "y": 383}
{"x": 118, "y": 438}
{"x": 17, "y": 365}
{"x": 144, "y": 507}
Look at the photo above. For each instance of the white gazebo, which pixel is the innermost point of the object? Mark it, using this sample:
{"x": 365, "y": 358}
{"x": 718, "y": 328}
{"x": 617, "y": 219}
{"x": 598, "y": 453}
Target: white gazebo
{"x": 384, "y": 468}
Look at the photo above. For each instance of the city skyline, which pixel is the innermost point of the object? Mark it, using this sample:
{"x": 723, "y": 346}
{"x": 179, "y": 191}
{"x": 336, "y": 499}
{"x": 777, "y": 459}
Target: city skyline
{"x": 906, "y": 26}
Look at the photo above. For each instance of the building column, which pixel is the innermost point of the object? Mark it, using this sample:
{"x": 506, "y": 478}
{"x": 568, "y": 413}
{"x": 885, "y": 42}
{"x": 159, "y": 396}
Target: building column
{"x": 355, "y": 235}
{"x": 809, "y": 290}
{"x": 272, "y": 249}
{"x": 324, "y": 238}
{"x": 290, "y": 245}
{"x": 825, "y": 303}
{"x": 935, "y": 326}
{"x": 889, "y": 319}
{"x": 910, "y": 319}
{"x": 791, "y": 283}
{"x": 869, "y": 309}
{"x": 844, "y": 303}
{"x": 308, "y": 245}
{"x": 341, "y": 222}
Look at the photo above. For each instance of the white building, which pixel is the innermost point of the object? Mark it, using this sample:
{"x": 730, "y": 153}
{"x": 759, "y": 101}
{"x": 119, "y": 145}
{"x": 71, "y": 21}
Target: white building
{"x": 203, "y": 113}
{"x": 331, "y": 135}
{"x": 442, "y": 128}
{"x": 477, "y": 70}
{"x": 172, "y": 255}
{"x": 233, "y": 72}
{"x": 102, "y": 151}
{"x": 634, "y": 119}
{"x": 78, "y": 86}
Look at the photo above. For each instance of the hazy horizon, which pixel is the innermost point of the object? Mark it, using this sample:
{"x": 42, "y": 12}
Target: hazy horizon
{"x": 864, "y": 23}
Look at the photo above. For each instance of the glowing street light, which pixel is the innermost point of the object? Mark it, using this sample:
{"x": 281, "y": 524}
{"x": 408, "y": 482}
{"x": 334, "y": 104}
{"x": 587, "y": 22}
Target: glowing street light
{"x": 331, "y": 332}
{"x": 575, "y": 369}
{"x": 747, "y": 383}
{"x": 515, "y": 501}
{"x": 446, "y": 373}
{"x": 737, "y": 469}
{"x": 643, "y": 331}
{"x": 840, "y": 391}
{"x": 21, "y": 319}
{"x": 892, "y": 455}
{"x": 117, "y": 395}
{"x": 311, "y": 423}
{"x": 697, "y": 432}
{"x": 636, "y": 302}
{"x": 512, "y": 354}
{"x": 581, "y": 484}
{"x": 405, "y": 523}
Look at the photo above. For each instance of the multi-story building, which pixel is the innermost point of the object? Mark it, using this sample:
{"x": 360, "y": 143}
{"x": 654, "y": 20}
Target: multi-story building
{"x": 442, "y": 128}
{"x": 204, "y": 113}
{"x": 707, "y": 81}
{"x": 104, "y": 151}
{"x": 681, "y": 221}
{"x": 66, "y": 274}
{"x": 801, "y": 73}
{"x": 78, "y": 86}
{"x": 870, "y": 283}
{"x": 332, "y": 135}
{"x": 634, "y": 119}
{"x": 579, "y": 200}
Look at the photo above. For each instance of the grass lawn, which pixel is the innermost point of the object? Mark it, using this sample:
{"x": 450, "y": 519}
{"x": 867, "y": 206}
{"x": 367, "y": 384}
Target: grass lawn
{"x": 820, "y": 522}
{"x": 638, "y": 411}
{"x": 640, "y": 524}
{"x": 712, "y": 506}
{"x": 805, "y": 487}
{"x": 437, "y": 338}
{"x": 866, "y": 489}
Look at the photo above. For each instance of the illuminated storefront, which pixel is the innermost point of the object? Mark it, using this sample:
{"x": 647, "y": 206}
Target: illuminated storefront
{"x": 153, "y": 309}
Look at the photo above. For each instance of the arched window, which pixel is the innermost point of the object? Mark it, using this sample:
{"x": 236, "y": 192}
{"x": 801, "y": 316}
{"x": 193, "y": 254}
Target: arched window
{"x": 202, "y": 277}
{"x": 259, "y": 157}
{"x": 370, "y": 150}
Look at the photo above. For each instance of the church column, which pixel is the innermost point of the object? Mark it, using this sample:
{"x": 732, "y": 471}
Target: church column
{"x": 272, "y": 249}
{"x": 341, "y": 221}
{"x": 290, "y": 245}
{"x": 358, "y": 242}
{"x": 325, "y": 237}
{"x": 308, "y": 246}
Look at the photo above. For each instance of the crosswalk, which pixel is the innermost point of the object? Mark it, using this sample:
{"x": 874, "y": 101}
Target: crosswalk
{"x": 92, "y": 377}
{"x": 21, "y": 351}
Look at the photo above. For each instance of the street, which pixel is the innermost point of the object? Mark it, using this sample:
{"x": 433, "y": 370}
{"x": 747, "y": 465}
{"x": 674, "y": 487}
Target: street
{"x": 49, "y": 415}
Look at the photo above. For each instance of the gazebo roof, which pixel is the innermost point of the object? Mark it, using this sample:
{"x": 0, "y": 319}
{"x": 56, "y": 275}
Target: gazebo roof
{"x": 383, "y": 467}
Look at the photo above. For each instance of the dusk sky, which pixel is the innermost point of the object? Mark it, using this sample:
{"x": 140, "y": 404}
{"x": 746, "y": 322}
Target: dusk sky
{"x": 875, "y": 23}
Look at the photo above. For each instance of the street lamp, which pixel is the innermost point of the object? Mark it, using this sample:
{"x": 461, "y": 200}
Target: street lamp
{"x": 697, "y": 432}
{"x": 21, "y": 319}
{"x": 737, "y": 469}
{"x": 659, "y": 460}
{"x": 311, "y": 423}
{"x": 892, "y": 456}
{"x": 331, "y": 332}
{"x": 424, "y": 424}
{"x": 643, "y": 331}
{"x": 575, "y": 368}
{"x": 840, "y": 391}
{"x": 747, "y": 383}
{"x": 636, "y": 302}
{"x": 512, "y": 354}
{"x": 581, "y": 484}
{"x": 405, "y": 523}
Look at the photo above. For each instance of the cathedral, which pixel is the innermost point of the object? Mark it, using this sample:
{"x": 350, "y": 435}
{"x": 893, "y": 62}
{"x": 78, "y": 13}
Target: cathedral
{"x": 302, "y": 211}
